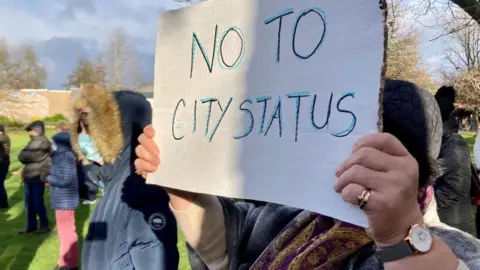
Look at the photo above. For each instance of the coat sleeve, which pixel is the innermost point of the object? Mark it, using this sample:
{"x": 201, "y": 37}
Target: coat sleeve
{"x": 211, "y": 244}
{"x": 456, "y": 181}
{"x": 142, "y": 111}
{"x": 35, "y": 151}
{"x": 64, "y": 173}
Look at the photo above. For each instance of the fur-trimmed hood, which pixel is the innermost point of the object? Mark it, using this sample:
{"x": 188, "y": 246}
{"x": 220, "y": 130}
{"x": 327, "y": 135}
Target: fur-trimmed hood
{"x": 104, "y": 122}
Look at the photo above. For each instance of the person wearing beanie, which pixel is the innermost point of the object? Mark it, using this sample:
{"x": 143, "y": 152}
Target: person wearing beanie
{"x": 4, "y": 165}
{"x": 36, "y": 158}
{"x": 452, "y": 188}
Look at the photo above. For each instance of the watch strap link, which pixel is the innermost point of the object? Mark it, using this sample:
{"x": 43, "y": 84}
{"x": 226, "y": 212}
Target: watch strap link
{"x": 395, "y": 252}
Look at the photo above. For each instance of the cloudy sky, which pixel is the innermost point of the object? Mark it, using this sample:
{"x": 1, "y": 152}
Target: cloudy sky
{"x": 64, "y": 30}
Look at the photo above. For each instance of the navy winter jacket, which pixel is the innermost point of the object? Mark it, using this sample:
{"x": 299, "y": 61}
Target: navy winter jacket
{"x": 132, "y": 227}
{"x": 62, "y": 176}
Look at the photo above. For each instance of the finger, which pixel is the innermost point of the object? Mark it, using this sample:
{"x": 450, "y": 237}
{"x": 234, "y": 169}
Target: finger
{"x": 145, "y": 155}
{"x": 351, "y": 192}
{"x": 368, "y": 157}
{"x": 384, "y": 142}
{"x": 149, "y": 131}
{"x": 359, "y": 175}
{"x": 144, "y": 166}
{"x": 144, "y": 175}
{"x": 149, "y": 145}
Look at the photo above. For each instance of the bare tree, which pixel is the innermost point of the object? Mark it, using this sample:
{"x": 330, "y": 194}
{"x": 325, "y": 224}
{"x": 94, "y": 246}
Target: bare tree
{"x": 404, "y": 59}
{"x": 33, "y": 74}
{"x": 120, "y": 60}
{"x": 462, "y": 47}
{"x": 467, "y": 84}
{"x": 86, "y": 72}
{"x": 448, "y": 8}
{"x": 20, "y": 68}
{"x": 471, "y": 7}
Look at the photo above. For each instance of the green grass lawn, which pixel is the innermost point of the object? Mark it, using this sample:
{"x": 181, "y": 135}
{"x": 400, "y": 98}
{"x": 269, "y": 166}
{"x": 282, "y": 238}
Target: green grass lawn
{"x": 37, "y": 252}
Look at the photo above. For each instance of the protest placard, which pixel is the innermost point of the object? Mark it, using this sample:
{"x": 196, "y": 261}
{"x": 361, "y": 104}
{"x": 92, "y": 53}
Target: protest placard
{"x": 262, "y": 99}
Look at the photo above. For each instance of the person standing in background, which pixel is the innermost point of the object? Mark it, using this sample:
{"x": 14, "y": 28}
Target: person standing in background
{"x": 476, "y": 150}
{"x": 476, "y": 156}
{"x": 64, "y": 196}
{"x": 93, "y": 161}
{"x": 36, "y": 158}
{"x": 4, "y": 165}
{"x": 131, "y": 227}
{"x": 452, "y": 188}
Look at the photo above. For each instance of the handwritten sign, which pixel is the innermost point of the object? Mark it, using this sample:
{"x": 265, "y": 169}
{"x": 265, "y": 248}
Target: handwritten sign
{"x": 264, "y": 99}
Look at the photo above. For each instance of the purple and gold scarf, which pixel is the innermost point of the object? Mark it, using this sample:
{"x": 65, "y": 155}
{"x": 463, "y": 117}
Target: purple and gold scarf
{"x": 313, "y": 241}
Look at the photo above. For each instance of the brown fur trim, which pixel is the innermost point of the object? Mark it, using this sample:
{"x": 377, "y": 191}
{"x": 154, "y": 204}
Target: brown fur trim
{"x": 104, "y": 122}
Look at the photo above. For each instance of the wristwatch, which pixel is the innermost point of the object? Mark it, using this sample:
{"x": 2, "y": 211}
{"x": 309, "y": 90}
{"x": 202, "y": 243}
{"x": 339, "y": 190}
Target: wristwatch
{"x": 418, "y": 241}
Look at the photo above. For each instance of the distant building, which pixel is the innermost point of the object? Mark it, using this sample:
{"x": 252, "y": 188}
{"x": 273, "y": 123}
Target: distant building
{"x": 60, "y": 100}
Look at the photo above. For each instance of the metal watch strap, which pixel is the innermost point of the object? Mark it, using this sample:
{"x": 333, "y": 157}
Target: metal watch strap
{"x": 395, "y": 252}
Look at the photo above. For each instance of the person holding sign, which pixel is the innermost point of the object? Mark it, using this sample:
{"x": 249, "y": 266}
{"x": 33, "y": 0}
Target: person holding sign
{"x": 388, "y": 175}
{"x": 131, "y": 227}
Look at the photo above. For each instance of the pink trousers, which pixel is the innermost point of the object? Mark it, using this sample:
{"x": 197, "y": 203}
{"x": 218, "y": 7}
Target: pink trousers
{"x": 69, "y": 252}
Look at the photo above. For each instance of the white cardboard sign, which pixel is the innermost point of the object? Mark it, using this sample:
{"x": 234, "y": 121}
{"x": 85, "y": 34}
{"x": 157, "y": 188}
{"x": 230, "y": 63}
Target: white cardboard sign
{"x": 262, "y": 99}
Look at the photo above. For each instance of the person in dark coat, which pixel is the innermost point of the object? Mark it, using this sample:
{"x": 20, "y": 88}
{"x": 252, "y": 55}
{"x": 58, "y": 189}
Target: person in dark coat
{"x": 64, "y": 197}
{"x": 227, "y": 234}
{"x": 452, "y": 189}
{"x": 4, "y": 165}
{"x": 36, "y": 158}
{"x": 131, "y": 226}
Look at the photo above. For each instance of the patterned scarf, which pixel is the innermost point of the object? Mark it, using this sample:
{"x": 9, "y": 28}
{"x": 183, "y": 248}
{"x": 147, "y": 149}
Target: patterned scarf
{"x": 312, "y": 241}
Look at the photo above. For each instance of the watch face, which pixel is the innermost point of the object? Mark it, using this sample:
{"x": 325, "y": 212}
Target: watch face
{"x": 421, "y": 239}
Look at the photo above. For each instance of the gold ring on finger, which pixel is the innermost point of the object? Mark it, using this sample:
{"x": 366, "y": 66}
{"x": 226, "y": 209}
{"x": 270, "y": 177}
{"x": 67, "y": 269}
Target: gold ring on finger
{"x": 362, "y": 200}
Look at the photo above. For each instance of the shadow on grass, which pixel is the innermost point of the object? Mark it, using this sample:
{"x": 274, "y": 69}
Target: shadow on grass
{"x": 21, "y": 248}
{"x": 27, "y": 251}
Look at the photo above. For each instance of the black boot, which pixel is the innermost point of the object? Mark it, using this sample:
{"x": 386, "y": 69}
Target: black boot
{"x": 27, "y": 231}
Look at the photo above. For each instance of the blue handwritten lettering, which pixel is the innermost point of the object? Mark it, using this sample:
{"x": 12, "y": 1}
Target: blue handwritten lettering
{"x": 279, "y": 16}
{"x": 252, "y": 120}
{"x": 208, "y": 100}
{"x": 220, "y": 119}
{"x": 350, "y": 128}
{"x": 277, "y": 114}
{"x": 312, "y": 113}
{"x": 298, "y": 96}
{"x": 265, "y": 101}
{"x": 304, "y": 13}
{"x": 221, "y": 59}
{"x": 181, "y": 101}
